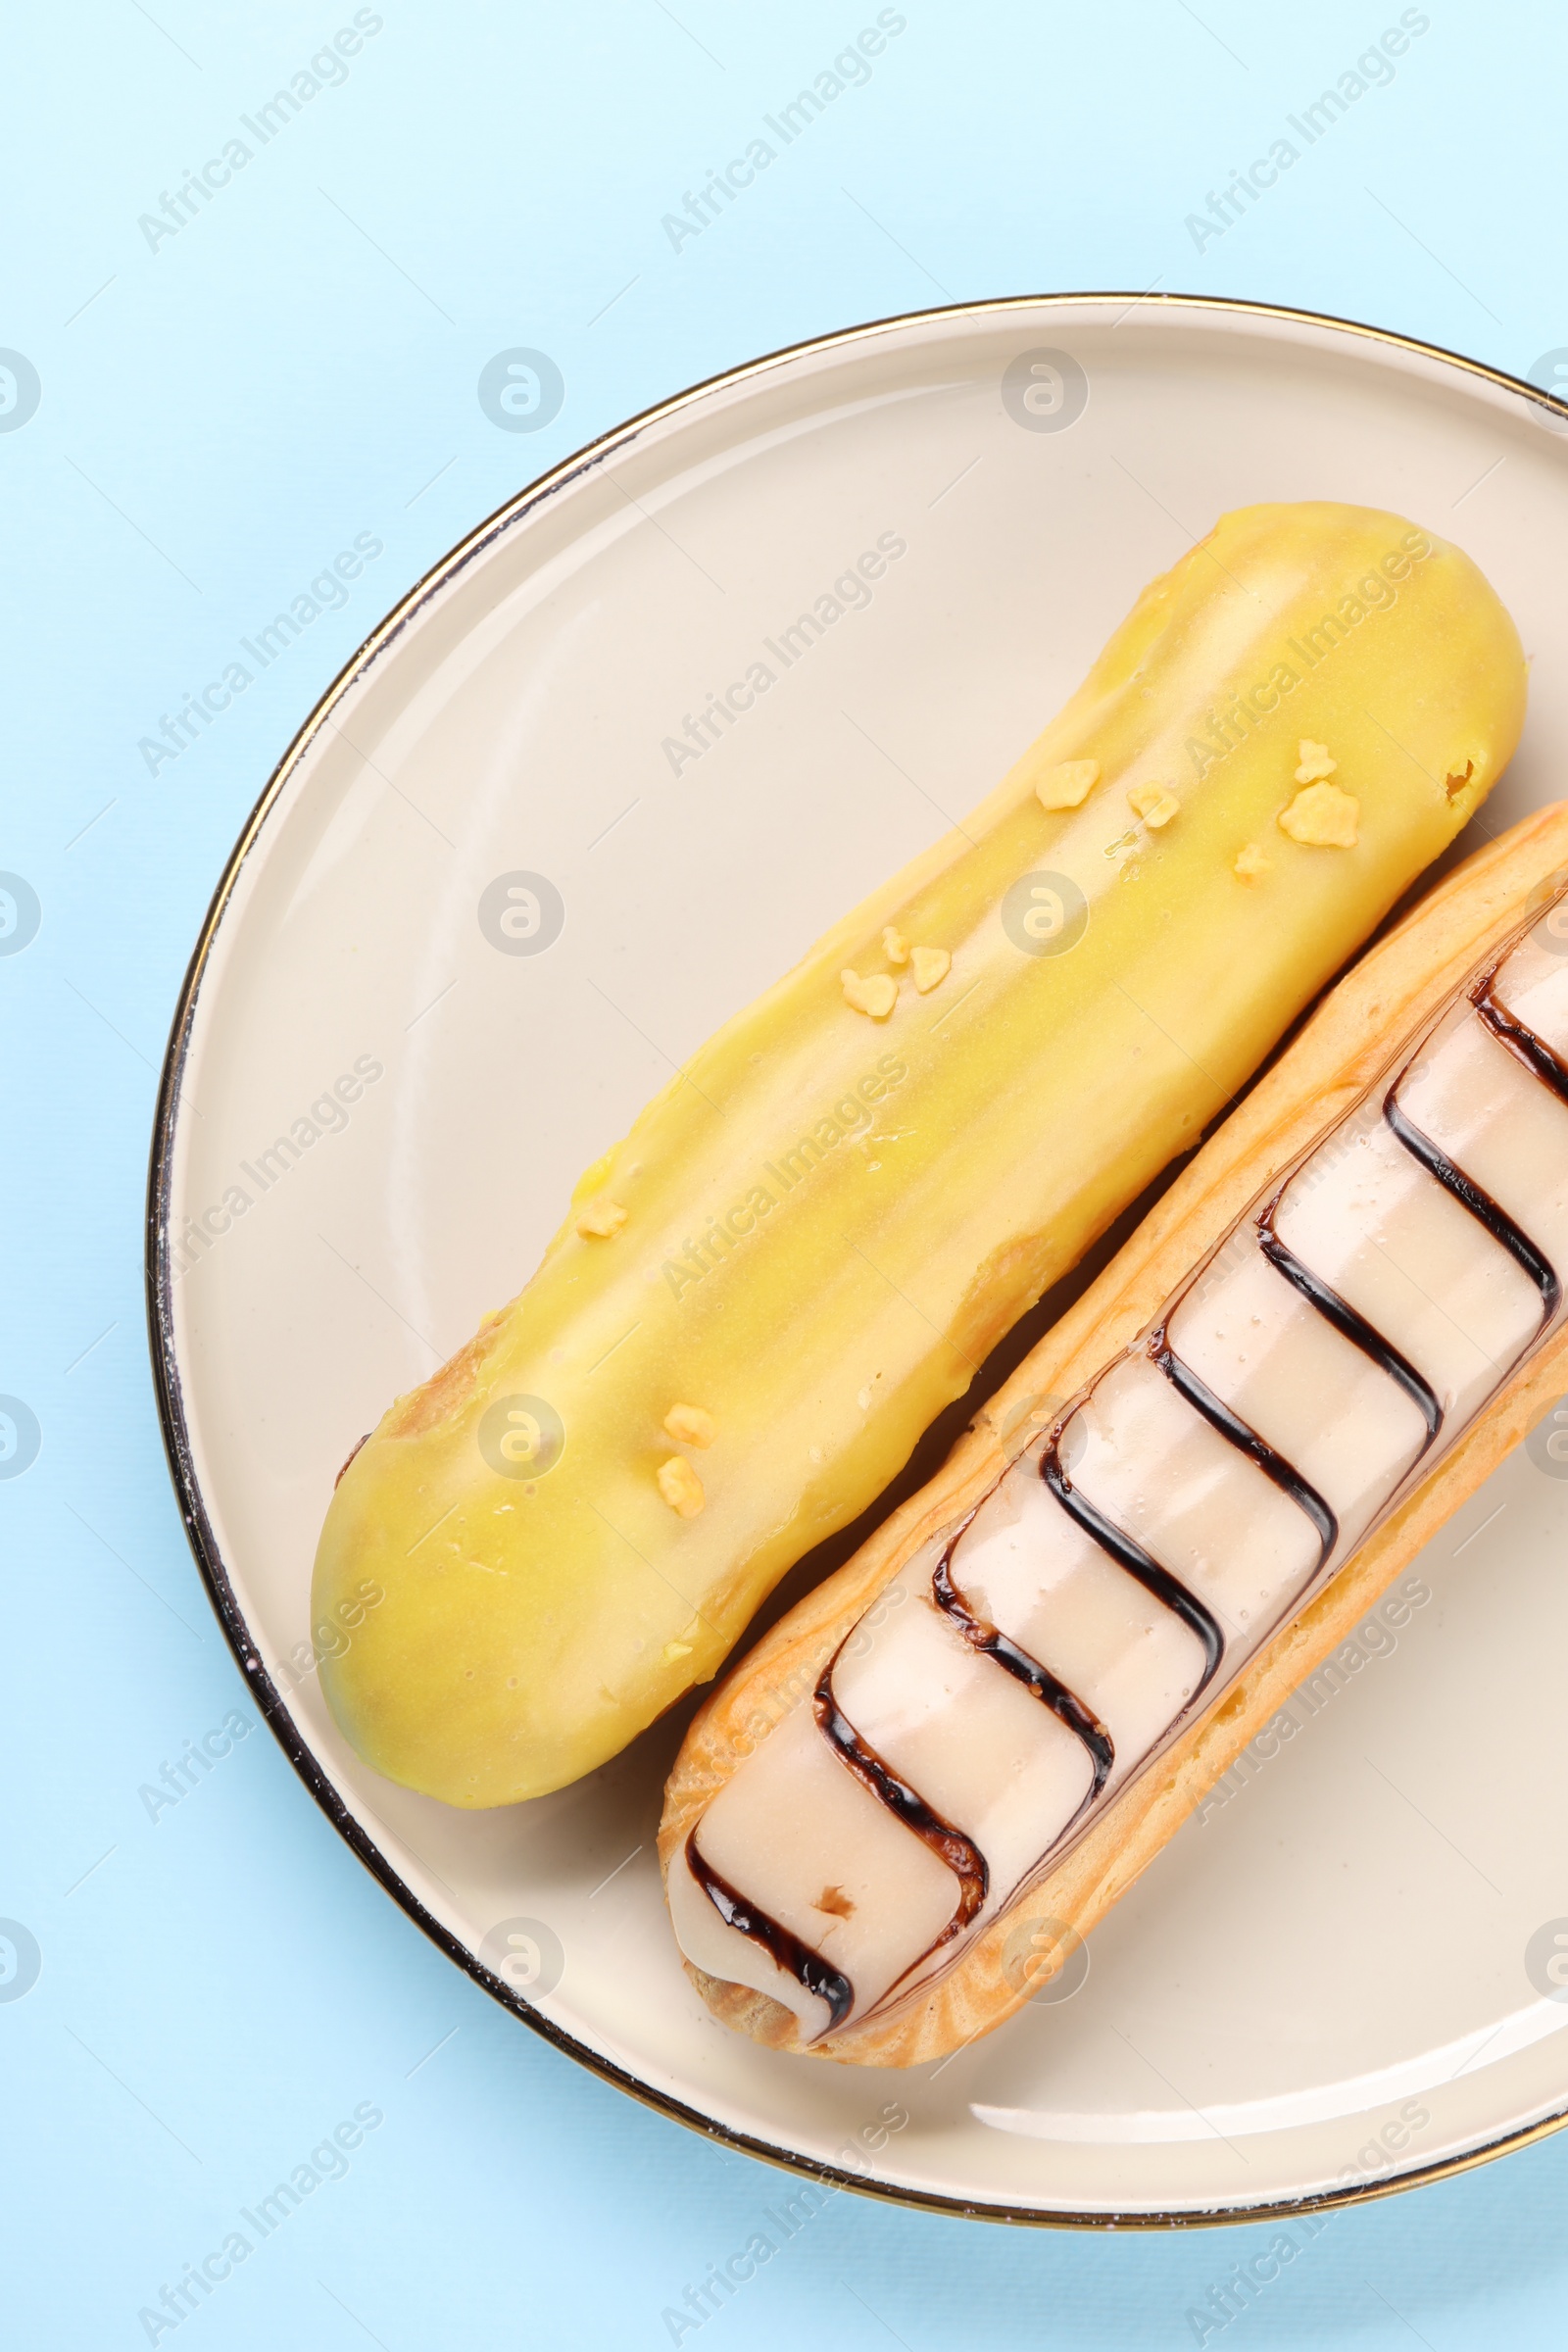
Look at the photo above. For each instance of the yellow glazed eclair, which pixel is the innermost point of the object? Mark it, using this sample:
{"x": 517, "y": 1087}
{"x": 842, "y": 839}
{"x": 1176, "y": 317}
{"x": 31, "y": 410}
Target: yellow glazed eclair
{"x": 947, "y": 1764}
{"x": 805, "y": 1247}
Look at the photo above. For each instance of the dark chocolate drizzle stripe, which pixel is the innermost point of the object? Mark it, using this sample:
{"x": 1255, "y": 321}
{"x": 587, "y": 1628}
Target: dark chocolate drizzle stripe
{"x": 1481, "y": 1205}
{"x": 951, "y": 1846}
{"x": 1246, "y": 1439}
{"x": 1509, "y": 1030}
{"x": 1352, "y": 1326}
{"x": 795, "y": 1958}
{"x": 1138, "y": 1563}
{"x": 1064, "y": 1704}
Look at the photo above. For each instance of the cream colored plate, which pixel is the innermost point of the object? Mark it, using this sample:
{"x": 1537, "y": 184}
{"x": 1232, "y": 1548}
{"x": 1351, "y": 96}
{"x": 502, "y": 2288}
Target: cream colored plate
{"x": 1346, "y": 1974}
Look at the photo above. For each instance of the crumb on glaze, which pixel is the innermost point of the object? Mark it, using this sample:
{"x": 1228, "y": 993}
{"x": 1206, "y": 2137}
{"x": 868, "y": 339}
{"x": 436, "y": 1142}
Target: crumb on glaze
{"x": 681, "y": 1487}
{"x": 875, "y": 997}
{"x": 1154, "y": 803}
{"x": 600, "y": 1220}
{"x": 1322, "y": 817}
{"x": 689, "y": 1425}
{"x": 1316, "y": 762}
{"x": 1069, "y": 785}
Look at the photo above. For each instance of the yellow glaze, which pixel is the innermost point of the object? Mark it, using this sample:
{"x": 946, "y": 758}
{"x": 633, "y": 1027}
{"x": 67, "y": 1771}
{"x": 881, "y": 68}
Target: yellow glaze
{"x": 832, "y": 1214}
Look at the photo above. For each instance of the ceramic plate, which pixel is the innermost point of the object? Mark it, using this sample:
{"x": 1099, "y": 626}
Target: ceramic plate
{"x": 511, "y": 872}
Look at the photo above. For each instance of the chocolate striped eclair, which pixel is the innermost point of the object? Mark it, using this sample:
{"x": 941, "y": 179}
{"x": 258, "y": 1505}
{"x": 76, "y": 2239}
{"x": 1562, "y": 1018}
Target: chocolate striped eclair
{"x": 1318, "y": 1345}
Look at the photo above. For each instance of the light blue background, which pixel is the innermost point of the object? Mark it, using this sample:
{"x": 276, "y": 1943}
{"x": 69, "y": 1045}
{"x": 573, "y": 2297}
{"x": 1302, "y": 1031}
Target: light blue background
{"x": 219, "y": 418}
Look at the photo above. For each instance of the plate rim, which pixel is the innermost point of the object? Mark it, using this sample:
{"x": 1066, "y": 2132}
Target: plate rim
{"x": 159, "y": 1290}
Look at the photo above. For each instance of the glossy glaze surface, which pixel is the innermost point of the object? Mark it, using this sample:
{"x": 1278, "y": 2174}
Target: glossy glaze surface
{"x": 818, "y": 1230}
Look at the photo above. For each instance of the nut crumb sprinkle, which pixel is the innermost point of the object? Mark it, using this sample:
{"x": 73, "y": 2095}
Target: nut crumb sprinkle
{"x": 1068, "y": 785}
{"x": 875, "y": 997}
{"x": 680, "y": 1485}
{"x": 1249, "y": 861}
{"x": 1322, "y": 817}
{"x": 1316, "y": 762}
{"x": 894, "y": 946}
{"x": 931, "y": 967}
{"x": 1155, "y": 803}
{"x": 689, "y": 1425}
{"x": 600, "y": 1220}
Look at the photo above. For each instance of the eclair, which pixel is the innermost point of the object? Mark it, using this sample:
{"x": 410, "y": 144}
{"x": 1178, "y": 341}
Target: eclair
{"x": 947, "y": 1762}
{"x": 805, "y": 1247}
